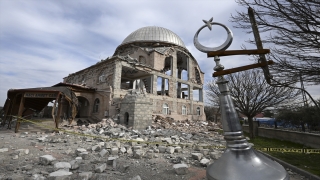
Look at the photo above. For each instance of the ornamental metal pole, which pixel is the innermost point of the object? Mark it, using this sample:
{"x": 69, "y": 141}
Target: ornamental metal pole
{"x": 239, "y": 161}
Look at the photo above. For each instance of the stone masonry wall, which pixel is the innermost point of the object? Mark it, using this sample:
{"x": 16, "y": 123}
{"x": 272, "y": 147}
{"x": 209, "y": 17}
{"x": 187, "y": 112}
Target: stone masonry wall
{"x": 139, "y": 108}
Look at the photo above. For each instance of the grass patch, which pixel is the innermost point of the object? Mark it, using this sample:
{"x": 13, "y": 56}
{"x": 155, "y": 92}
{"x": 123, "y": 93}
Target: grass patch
{"x": 307, "y": 162}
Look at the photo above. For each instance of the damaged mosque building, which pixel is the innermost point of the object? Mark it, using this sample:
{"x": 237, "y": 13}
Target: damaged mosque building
{"x": 150, "y": 73}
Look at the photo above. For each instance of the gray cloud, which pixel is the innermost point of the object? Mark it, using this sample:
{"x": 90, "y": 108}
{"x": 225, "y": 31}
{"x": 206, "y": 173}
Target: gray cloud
{"x": 43, "y": 41}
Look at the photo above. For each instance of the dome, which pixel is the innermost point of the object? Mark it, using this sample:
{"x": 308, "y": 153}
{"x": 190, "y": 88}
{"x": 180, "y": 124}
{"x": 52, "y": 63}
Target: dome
{"x": 153, "y": 34}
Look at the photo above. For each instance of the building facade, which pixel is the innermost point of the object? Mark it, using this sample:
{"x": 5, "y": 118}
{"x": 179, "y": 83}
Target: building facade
{"x": 150, "y": 73}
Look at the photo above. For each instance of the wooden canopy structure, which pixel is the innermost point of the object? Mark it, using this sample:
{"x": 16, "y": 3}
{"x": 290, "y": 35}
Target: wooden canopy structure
{"x": 24, "y": 102}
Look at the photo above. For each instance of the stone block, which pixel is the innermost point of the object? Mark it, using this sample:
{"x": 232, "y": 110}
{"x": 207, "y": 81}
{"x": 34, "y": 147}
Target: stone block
{"x": 162, "y": 149}
{"x": 4, "y": 150}
{"x": 62, "y": 165}
{"x": 215, "y": 155}
{"x": 95, "y": 148}
{"x": 84, "y": 155}
{"x": 60, "y": 173}
{"x": 180, "y": 169}
{"x": 204, "y": 162}
{"x": 46, "y": 159}
{"x": 103, "y": 152}
{"x": 22, "y": 152}
{"x": 111, "y": 159}
{"x": 100, "y": 176}
{"x": 138, "y": 154}
{"x": 114, "y": 151}
{"x": 196, "y": 156}
{"x": 100, "y": 168}
{"x": 178, "y": 149}
{"x": 83, "y": 167}
{"x": 170, "y": 150}
{"x": 75, "y": 164}
{"x": 80, "y": 150}
{"x": 85, "y": 175}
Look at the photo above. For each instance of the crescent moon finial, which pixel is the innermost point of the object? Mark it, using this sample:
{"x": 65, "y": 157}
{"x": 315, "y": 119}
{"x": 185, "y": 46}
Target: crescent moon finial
{"x": 222, "y": 47}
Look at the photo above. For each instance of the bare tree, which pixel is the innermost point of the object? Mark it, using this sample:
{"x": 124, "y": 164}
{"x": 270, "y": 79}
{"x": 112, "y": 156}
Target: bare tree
{"x": 251, "y": 94}
{"x": 293, "y": 33}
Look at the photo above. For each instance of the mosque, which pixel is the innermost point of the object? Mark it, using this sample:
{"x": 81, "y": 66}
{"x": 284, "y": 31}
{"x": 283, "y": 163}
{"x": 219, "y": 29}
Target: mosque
{"x": 150, "y": 73}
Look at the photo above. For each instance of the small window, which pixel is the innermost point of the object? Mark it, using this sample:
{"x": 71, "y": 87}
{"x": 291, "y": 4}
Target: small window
{"x": 142, "y": 60}
{"x": 96, "y": 105}
{"x": 102, "y": 78}
{"x": 165, "y": 109}
{"x": 198, "y": 111}
{"x": 126, "y": 118}
{"x": 184, "y": 110}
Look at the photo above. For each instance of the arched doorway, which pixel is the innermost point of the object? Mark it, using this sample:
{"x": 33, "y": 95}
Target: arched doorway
{"x": 126, "y": 118}
{"x": 83, "y": 107}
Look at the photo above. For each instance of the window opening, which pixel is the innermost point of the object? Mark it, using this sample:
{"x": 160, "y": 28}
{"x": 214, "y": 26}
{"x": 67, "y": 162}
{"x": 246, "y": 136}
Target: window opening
{"x": 182, "y": 90}
{"x": 197, "y": 95}
{"x": 184, "y": 110}
{"x": 126, "y": 118}
{"x": 165, "y": 109}
{"x": 162, "y": 86}
{"x": 142, "y": 60}
{"x": 198, "y": 111}
{"x": 96, "y": 105}
{"x": 168, "y": 66}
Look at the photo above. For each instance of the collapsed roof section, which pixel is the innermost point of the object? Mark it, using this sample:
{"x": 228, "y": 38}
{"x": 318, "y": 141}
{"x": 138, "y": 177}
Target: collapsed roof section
{"x": 24, "y": 102}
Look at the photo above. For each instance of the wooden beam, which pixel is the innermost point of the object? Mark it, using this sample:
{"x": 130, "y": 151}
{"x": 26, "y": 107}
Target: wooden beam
{"x": 242, "y": 68}
{"x": 57, "y": 122}
{"x": 21, "y": 108}
{"x": 238, "y": 52}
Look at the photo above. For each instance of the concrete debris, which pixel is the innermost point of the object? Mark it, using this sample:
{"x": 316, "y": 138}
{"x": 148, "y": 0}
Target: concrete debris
{"x": 112, "y": 151}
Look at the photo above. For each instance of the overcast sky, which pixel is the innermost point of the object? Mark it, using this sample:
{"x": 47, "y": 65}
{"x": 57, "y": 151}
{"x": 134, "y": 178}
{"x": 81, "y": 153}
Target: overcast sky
{"x": 41, "y": 42}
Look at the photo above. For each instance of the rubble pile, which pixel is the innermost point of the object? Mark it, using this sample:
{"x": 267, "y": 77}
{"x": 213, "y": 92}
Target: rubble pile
{"x": 107, "y": 150}
{"x": 191, "y": 126}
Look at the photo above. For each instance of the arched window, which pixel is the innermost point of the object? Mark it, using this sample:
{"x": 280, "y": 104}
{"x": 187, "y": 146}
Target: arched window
{"x": 198, "y": 111}
{"x": 96, "y": 105}
{"x": 165, "y": 109}
{"x": 184, "y": 110}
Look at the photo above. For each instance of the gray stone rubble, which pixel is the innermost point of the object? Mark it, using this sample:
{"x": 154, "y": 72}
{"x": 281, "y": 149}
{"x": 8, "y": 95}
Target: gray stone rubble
{"x": 107, "y": 150}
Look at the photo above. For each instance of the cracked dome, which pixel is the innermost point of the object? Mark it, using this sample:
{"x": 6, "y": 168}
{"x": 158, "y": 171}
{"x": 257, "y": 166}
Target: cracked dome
{"x": 154, "y": 34}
